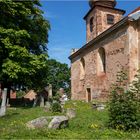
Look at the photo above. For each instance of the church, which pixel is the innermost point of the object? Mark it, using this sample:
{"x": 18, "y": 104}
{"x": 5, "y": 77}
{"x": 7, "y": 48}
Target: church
{"x": 112, "y": 44}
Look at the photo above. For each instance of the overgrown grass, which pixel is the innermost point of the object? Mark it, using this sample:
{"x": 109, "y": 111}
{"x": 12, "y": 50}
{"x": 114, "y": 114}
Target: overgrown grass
{"x": 89, "y": 124}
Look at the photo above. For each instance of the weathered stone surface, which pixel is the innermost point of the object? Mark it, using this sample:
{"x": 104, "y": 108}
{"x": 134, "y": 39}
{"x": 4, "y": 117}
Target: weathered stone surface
{"x": 100, "y": 107}
{"x": 48, "y": 105}
{"x": 100, "y": 22}
{"x": 3, "y": 104}
{"x": 99, "y": 82}
{"x": 122, "y": 51}
{"x": 37, "y": 123}
{"x": 71, "y": 113}
{"x": 58, "y": 122}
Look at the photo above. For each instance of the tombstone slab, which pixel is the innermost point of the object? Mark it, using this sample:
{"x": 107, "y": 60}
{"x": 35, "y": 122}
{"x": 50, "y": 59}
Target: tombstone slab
{"x": 58, "y": 122}
{"x": 37, "y": 123}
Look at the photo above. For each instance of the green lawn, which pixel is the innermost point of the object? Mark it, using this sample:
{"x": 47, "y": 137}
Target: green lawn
{"x": 89, "y": 124}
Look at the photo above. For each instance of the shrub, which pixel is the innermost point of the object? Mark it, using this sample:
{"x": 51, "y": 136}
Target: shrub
{"x": 124, "y": 104}
{"x": 56, "y": 107}
{"x": 57, "y": 97}
{"x": 20, "y": 94}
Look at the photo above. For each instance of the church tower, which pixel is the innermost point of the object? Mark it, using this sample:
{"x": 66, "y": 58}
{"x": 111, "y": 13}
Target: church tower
{"x": 101, "y": 16}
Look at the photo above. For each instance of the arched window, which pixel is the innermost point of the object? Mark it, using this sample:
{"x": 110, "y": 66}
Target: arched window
{"x": 82, "y": 68}
{"x": 101, "y": 60}
{"x": 91, "y": 24}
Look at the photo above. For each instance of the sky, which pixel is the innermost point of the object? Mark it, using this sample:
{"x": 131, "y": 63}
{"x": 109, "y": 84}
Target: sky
{"x": 68, "y": 29}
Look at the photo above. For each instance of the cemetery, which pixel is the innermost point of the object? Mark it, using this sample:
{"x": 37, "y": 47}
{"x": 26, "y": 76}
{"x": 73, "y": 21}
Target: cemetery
{"x": 97, "y": 96}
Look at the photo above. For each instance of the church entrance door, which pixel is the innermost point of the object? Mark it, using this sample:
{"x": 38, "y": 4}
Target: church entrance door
{"x": 88, "y": 94}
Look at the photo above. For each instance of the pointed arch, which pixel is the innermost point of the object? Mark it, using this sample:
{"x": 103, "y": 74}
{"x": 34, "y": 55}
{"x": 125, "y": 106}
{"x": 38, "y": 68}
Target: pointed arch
{"x": 101, "y": 60}
{"x": 82, "y": 68}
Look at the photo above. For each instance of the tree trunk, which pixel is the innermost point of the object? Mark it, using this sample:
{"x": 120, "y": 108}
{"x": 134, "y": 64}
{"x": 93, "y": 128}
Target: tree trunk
{"x": 3, "y": 104}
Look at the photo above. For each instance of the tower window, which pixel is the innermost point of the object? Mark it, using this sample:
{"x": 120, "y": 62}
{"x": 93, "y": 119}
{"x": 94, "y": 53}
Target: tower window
{"x": 91, "y": 24}
{"x": 110, "y": 19}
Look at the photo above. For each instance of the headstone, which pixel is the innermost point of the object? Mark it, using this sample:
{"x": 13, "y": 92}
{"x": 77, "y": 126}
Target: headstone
{"x": 47, "y": 106}
{"x": 100, "y": 107}
{"x": 58, "y": 122}
{"x": 50, "y": 91}
{"x": 3, "y": 104}
{"x": 71, "y": 113}
{"x": 41, "y": 101}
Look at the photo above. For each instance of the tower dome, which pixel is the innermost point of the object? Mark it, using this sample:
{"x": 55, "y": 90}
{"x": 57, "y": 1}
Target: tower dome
{"x": 106, "y": 3}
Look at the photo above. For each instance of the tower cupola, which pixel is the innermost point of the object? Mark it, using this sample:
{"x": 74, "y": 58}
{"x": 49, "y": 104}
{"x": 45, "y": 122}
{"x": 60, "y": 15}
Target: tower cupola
{"x": 105, "y": 3}
{"x": 101, "y": 16}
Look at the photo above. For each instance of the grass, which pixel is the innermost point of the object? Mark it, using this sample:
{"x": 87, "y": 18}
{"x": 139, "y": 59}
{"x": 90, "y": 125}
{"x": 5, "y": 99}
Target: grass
{"x": 89, "y": 124}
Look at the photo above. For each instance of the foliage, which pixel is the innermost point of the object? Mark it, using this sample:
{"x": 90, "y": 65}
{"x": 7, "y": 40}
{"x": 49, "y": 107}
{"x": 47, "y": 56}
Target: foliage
{"x": 124, "y": 104}
{"x": 58, "y": 75}
{"x": 24, "y": 34}
{"x": 88, "y": 124}
{"x": 57, "y": 97}
{"x": 56, "y": 107}
{"x": 20, "y": 94}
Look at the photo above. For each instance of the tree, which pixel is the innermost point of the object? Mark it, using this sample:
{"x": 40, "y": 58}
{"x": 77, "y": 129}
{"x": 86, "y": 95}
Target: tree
{"x": 23, "y": 39}
{"x": 58, "y": 75}
{"x": 124, "y": 103}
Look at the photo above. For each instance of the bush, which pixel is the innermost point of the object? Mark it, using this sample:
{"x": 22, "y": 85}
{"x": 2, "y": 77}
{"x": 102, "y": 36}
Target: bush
{"x": 56, "y": 107}
{"x": 57, "y": 97}
{"x": 20, "y": 94}
{"x": 124, "y": 104}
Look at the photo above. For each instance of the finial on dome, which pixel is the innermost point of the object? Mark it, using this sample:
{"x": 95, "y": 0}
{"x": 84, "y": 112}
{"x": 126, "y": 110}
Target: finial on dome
{"x": 105, "y": 3}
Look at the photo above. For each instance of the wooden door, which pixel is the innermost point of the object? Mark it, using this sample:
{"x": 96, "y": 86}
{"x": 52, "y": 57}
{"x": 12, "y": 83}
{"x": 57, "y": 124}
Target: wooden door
{"x": 88, "y": 94}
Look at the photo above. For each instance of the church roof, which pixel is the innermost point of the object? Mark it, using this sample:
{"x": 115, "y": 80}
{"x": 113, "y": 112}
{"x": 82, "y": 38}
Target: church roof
{"x": 134, "y": 15}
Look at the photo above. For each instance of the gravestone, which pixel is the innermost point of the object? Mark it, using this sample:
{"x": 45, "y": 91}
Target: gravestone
{"x": 58, "y": 122}
{"x": 51, "y": 122}
{"x": 3, "y": 104}
{"x": 37, "y": 123}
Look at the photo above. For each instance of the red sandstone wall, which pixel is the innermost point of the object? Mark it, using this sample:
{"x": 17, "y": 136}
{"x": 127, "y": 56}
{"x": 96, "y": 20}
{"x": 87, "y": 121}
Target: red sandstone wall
{"x": 116, "y": 48}
{"x": 100, "y": 21}
{"x": 134, "y": 48}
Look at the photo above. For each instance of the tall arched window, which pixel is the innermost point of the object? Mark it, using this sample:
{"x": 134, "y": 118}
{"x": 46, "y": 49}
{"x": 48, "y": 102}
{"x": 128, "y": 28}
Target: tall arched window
{"x": 101, "y": 60}
{"x": 91, "y": 24}
{"x": 82, "y": 68}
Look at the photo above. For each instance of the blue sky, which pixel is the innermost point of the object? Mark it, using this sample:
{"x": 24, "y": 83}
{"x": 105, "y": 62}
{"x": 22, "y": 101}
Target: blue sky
{"x": 68, "y": 28}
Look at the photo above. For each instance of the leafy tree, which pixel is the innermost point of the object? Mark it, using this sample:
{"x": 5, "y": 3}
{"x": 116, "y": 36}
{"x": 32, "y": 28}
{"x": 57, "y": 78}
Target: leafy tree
{"x": 124, "y": 105}
{"x": 58, "y": 75}
{"x": 23, "y": 38}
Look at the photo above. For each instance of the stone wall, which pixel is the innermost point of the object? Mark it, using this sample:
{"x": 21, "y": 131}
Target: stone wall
{"x": 134, "y": 48}
{"x": 116, "y": 45}
{"x": 99, "y": 15}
